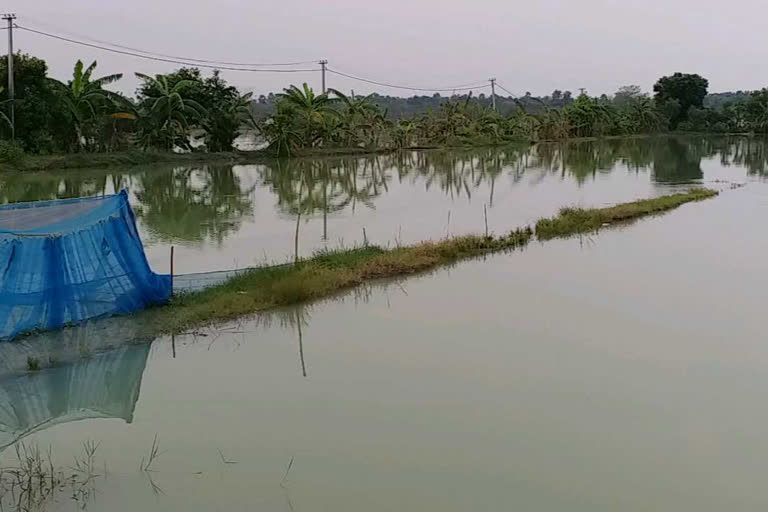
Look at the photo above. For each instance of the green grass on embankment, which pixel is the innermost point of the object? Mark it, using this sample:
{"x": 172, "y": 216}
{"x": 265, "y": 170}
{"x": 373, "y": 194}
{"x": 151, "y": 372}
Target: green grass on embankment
{"x": 122, "y": 159}
{"x": 331, "y": 271}
{"x": 30, "y": 163}
{"x": 572, "y": 221}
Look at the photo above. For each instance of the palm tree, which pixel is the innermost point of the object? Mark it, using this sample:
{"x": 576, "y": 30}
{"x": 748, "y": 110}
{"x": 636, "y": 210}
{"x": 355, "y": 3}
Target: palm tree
{"x": 168, "y": 114}
{"x": 86, "y": 99}
{"x": 310, "y": 106}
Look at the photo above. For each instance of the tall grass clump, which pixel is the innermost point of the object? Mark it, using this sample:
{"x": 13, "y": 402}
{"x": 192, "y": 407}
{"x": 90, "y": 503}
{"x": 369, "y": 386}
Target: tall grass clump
{"x": 11, "y": 153}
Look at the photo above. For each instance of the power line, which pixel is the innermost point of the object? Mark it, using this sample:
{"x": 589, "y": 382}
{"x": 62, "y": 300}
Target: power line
{"x": 235, "y": 66}
{"x": 464, "y": 87}
{"x": 160, "y": 59}
{"x": 507, "y": 90}
{"x": 176, "y": 57}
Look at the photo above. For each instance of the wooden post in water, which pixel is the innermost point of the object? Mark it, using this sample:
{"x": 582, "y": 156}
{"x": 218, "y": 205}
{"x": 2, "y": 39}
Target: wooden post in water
{"x": 296, "y": 240}
{"x": 172, "y": 250}
{"x": 301, "y": 343}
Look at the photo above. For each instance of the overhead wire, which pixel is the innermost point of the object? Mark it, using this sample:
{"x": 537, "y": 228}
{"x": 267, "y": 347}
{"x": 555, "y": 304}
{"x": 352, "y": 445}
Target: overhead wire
{"x": 507, "y": 90}
{"x": 176, "y": 57}
{"x": 238, "y": 66}
{"x": 465, "y": 87}
{"x": 160, "y": 59}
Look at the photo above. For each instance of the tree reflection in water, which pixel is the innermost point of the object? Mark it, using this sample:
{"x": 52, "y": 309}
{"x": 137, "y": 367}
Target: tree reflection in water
{"x": 192, "y": 204}
{"x": 209, "y": 203}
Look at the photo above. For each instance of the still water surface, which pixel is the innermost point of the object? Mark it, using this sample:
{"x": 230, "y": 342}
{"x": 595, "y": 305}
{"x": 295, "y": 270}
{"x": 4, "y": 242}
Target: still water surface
{"x": 623, "y": 371}
{"x": 222, "y": 216}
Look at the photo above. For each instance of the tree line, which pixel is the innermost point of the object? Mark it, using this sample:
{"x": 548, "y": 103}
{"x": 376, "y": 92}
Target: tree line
{"x": 184, "y": 110}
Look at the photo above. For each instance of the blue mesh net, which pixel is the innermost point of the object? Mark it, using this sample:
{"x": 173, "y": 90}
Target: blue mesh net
{"x": 66, "y": 261}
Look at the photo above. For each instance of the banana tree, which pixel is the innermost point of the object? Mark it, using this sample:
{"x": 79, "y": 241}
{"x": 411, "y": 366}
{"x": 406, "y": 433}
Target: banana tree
{"x": 282, "y": 137}
{"x": 166, "y": 116}
{"x": 223, "y": 123}
{"x": 310, "y": 107}
{"x": 87, "y": 100}
{"x": 356, "y": 114}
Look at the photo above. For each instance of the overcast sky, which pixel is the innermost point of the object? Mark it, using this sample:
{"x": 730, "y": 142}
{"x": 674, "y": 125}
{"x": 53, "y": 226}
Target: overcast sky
{"x": 531, "y": 45}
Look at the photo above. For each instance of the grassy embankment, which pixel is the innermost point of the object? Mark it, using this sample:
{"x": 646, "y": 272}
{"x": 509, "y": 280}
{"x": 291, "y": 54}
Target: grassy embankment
{"x": 121, "y": 159}
{"x": 137, "y": 157}
{"x": 329, "y": 272}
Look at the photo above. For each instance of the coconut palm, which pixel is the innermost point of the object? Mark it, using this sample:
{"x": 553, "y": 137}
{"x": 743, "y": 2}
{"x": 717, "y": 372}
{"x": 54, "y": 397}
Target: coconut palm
{"x": 86, "y": 100}
{"x": 167, "y": 116}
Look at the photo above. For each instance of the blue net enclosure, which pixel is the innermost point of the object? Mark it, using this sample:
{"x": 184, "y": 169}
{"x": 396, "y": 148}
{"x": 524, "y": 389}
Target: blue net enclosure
{"x": 66, "y": 261}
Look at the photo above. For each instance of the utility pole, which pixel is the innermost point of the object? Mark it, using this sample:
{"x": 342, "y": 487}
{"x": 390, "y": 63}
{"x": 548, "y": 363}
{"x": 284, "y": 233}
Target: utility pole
{"x": 493, "y": 92}
{"x": 11, "y": 92}
{"x": 323, "y": 64}
{"x": 582, "y": 90}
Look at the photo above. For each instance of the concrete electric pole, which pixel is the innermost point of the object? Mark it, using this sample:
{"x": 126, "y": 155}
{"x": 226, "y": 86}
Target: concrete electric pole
{"x": 493, "y": 92}
{"x": 323, "y": 64}
{"x": 11, "y": 92}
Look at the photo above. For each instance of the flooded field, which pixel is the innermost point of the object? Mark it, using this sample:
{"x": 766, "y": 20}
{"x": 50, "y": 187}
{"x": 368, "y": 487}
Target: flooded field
{"x": 225, "y": 217}
{"x": 622, "y": 371}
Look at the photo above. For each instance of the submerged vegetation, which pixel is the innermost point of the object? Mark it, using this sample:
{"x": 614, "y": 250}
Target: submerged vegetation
{"x": 330, "y": 271}
{"x": 33, "y": 482}
{"x": 184, "y": 111}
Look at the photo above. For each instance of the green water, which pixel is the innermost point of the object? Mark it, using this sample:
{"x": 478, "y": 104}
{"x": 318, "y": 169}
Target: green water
{"x": 622, "y": 371}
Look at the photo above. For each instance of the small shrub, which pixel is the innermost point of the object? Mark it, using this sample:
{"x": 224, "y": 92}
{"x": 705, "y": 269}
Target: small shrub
{"x": 10, "y": 152}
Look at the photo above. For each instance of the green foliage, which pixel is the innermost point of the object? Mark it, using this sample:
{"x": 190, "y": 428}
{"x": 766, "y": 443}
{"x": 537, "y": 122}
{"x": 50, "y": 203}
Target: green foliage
{"x": 687, "y": 89}
{"x": 11, "y": 152}
{"x": 166, "y": 112}
{"x": 42, "y": 121}
{"x": 184, "y": 110}
{"x": 308, "y": 111}
{"x": 588, "y": 118}
{"x": 573, "y": 221}
{"x": 88, "y": 104}
{"x": 227, "y": 114}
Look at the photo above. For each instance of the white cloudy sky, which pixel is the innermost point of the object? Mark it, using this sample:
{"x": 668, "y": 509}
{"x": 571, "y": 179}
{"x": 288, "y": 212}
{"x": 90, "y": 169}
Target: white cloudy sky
{"x": 532, "y": 45}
